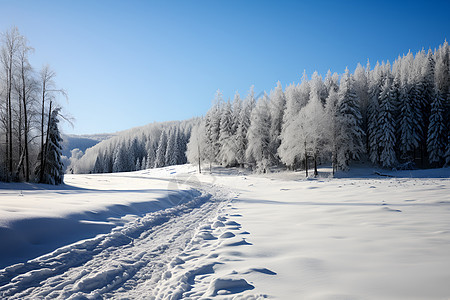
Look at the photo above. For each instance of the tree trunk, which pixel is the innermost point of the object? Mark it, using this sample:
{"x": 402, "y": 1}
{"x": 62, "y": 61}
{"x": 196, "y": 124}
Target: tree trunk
{"x": 315, "y": 164}
{"x": 199, "y": 159}
{"x": 19, "y": 134}
{"x": 334, "y": 160}
{"x": 27, "y": 159}
{"x": 9, "y": 88}
{"x": 306, "y": 161}
{"x": 44, "y": 81}
{"x": 44, "y": 153}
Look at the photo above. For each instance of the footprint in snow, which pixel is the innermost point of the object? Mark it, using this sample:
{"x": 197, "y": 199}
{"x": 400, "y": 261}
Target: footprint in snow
{"x": 227, "y": 286}
{"x": 390, "y": 209}
{"x": 206, "y": 236}
{"x": 218, "y": 224}
{"x": 232, "y": 223}
{"x": 177, "y": 261}
{"x": 242, "y": 242}
{"x": 227, "y": 235}
{"x": 260, "y": 270}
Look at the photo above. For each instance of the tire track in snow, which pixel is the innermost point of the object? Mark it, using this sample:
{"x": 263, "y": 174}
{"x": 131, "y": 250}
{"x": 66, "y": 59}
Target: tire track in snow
{"x": 125, "y": 262}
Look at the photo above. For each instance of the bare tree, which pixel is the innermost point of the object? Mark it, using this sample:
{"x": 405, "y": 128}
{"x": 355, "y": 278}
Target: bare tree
{"x": 48, "y": 94}
{"x": 11, "y": 43}
{"x": 26, "y": 89}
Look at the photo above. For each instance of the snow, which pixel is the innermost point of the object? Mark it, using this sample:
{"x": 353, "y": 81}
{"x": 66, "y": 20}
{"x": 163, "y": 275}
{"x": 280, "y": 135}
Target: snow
{"x": 170, "y": 233}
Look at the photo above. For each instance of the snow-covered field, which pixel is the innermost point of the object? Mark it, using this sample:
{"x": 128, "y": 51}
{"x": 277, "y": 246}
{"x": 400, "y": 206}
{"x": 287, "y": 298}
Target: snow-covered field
{"x": 171, "y": 233}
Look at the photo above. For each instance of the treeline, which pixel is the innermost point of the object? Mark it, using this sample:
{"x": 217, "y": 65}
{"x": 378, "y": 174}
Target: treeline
{"x": 29, "y": 116}
{"x": 152, "y": 146}
{"x": 397, "y": 116}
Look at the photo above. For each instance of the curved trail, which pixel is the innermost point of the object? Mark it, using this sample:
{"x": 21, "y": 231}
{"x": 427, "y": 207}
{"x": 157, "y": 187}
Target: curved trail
{"x": 126, "y": 262}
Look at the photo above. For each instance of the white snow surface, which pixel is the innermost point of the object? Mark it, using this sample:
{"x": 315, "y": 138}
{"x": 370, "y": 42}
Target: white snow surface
{"x": 171, "y": 233}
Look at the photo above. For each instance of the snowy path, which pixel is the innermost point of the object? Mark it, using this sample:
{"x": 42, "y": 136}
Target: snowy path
{"x": 127, "y": 261}
{"x": 170, "y": 253}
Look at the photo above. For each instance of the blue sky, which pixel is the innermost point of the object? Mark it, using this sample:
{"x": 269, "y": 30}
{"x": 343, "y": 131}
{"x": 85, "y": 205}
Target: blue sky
{"x": 129, "y": 63}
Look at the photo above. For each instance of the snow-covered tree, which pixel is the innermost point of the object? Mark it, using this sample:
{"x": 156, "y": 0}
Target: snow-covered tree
{"x": 212, "y": 128}
{"x": 373, "y": 108}
{"x": 387, "y": 124}
{"x": 143, "y": 163}
{"x": 437, "y": 131}
{"x": 331, "y": 125}
{"x": 313, "y": 128}
{"x": 98, "y": 166}
{"x": 52, "y": 166}
{"x": 277, "y": 107}
{"x": 350, "y": 137}
{"x": 331, "y": 82}
{"x": 160, "y": 158}
{"x": 361, "y": 83}
{"x": 123, "y": 162}
{"x": 259, "y": 136}
{"x": 410, "y": 122}
{"x": 297, "y": 96}
{"x": 226, "y": 155}
{"x": 196, "y": 152}
{"x": 241, "y": 141}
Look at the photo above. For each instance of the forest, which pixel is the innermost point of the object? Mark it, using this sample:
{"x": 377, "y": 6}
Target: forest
{"x": 152, "y": 146}
{"x": 30, "y": 140}
{"x": 396, "y": 116}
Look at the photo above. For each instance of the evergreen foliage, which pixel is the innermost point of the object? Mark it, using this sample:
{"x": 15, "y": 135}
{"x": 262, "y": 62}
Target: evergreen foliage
{"x": 52, "y": 167}
{"x": 398, "y": 114}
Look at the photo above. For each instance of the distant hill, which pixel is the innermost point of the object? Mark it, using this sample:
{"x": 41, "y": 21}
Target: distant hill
{"x": 82, "y": 142}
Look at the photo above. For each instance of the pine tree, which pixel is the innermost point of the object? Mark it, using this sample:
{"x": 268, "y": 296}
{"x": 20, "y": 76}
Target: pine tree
{"x": 52, "y": 166}
{"x": 212, "y": 129}
{"x": 237, "y": 107}
{"x": 350, "y": 137}
{"x": 387, "y": 124}
{"x": 144, "y": 163}
{"x": 123, "y": 162}
{"x": 277, "y": 107}
{"x": 331, "y": 82}
{"x": 410, "y": 129}
{"x": 232, "y": 143}
{"x": 259, "y": 136}
{"x": 244, "y": 124}
{"x": 225, "y": 136}
{"x": 171, "y": 156}
{"x": 160, "y": 158}
{"x": 447, "y": 152}
{"x": 331, "y": 131}
{"x": 362, "y": 92}
{"x": 442, "y": 81}
{"x": 437, "y": 131}
{"x": 151, "y": 147}
{"x": 98, "y": 166}
{"x": 373, "y": 109}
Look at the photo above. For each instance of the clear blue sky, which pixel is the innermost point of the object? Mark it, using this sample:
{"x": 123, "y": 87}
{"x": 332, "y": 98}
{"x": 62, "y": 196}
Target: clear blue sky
{"x": 129, "y": 63}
